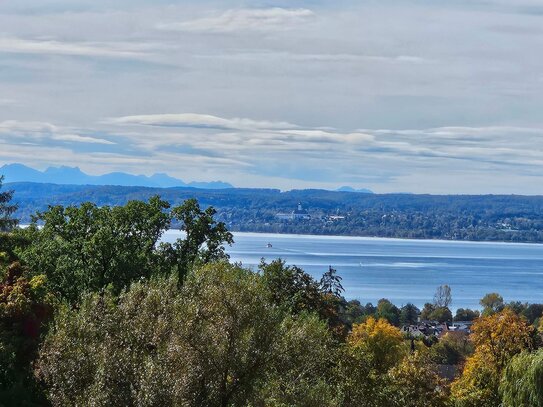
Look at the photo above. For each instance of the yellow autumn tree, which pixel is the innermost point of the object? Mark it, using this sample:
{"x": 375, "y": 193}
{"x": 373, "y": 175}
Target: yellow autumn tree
{"x": 414, "y": 382}
{"x": 371, "y": 350}
{"x": 497, "y": 338}
{"x": 380, "y": 341}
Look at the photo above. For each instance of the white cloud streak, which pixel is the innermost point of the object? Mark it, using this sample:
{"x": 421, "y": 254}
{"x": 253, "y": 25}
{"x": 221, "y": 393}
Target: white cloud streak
{"x": 12, "y": 130}
{"x": 53, "y": 47}
{"x": 243, "y": 20}
{"x": 199, "y": 120}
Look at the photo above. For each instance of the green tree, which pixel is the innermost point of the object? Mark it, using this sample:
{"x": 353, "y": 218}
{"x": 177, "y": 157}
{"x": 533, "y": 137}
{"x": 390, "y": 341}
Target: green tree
{"x": 409, "y": 314}
{"x": 88, "y": 248}
{"x": 533, "y": 312}
{"x": 359, "y": 384}
{"x": 441, "y": 314}
{"x": 7, "y": 209}
{"x": 427, "y": 311}
{"x": 207, "y": 344}
{"x": 466, "y": 314}
{"x": 452, "y": 349}
{"x": 331, "y": 283}
{"x": 302, "y": 370}
{"x": 522, "y": 381}
{"x": 291, "y": 287}
{"x": 388, "y": 311}
{"x": 492, "y": 303}
{"x": 217, "y": 341}
{"x": 517, "y": 307}
{"x": 232, "y": 331}
{"x": 296, "y": 291}
{"x": 204, "y": 240}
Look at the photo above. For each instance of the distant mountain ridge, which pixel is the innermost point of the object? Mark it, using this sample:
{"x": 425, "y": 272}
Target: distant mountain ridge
{"x": 74, "y": 176}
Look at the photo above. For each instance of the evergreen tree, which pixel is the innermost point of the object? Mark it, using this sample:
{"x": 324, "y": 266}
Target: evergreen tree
{"x": 7, "y": 209}
{"x": 331, "y": 282}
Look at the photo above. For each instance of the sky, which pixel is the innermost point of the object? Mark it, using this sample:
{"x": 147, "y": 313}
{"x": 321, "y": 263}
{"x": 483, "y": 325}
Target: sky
{"x": 417, "y": 96}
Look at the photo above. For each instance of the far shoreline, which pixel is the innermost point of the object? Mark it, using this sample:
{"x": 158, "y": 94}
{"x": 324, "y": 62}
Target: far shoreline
{"x": 373, "y": 238}
{"x": 368, "y": 238}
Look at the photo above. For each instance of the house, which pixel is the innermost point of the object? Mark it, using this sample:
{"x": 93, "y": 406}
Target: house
{"x": 461, "y": 326}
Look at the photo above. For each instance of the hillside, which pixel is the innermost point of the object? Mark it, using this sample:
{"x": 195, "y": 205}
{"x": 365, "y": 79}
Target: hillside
{"x": 458, "y": 217}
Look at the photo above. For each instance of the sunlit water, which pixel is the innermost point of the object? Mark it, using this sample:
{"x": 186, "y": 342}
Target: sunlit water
{"x": 404, "y": 270}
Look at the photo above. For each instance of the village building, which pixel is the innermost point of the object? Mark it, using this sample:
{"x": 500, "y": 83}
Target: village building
{"x": 297, "y": 214}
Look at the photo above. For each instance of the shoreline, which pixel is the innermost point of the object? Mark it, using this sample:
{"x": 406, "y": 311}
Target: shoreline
{"x": 378, "y": 238}
{"x": 367, "y": 238}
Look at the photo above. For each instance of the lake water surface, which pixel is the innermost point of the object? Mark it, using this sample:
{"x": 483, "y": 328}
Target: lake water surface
{"x": 404, "y": 270}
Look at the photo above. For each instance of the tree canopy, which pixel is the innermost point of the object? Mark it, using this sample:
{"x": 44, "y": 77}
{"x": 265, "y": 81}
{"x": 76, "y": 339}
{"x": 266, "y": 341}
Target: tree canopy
{"x": 88, "y": 248}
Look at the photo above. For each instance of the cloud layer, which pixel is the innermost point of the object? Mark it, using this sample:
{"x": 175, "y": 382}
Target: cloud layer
{"x": 441, "y": 97}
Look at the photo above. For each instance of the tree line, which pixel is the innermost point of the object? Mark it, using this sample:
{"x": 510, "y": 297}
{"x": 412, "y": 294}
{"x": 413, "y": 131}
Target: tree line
{"x": 95, "y": 310}
{"x": 462, "y": 217}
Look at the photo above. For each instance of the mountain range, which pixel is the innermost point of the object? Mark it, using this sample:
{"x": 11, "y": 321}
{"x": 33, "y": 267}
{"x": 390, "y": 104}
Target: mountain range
{"x": 74, "y": 176}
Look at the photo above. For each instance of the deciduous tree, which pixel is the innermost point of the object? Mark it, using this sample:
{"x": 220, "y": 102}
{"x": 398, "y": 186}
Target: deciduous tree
{"x": 442, "y": 297}
{"x": 388, "y": 311}
{"x": 380, "y": 340}
{"x": 204, "y": 240}
{"x": 497, "y": 338}
{"x": 414, "y": 383}
{"x": 88, "y": 248}
{"x": 492, "y": 303}
{"x": 522, "y": 381}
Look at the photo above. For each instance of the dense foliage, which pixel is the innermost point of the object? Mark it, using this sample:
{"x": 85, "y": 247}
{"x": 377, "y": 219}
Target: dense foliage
{"x": 88, "y": 248}
{"x": 95, "y": 310}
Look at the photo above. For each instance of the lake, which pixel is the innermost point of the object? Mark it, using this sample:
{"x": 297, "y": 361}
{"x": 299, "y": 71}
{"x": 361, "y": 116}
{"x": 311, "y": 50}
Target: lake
{"x": 404, "y": 270}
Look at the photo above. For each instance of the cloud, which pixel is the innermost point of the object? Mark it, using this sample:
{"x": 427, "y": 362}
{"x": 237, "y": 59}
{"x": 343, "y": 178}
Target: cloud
{"x": 243, "y": 20}
{"x": 199, "y": 121}
{"x": 258, "y": 141}
{"x": 245, "y": 151}
{"x": 90, "y": 49}
{"x": 18, "y": 127}
{"x": 81, "y": 139}
{"x": 41, "y": 133}
{"x": 219, "y": 134}
{"x": 303, "y": 57}
{"x": 409, "y": 101}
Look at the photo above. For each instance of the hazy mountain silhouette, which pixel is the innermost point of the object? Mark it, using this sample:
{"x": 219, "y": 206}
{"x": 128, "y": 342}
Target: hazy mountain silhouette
{"x": 74, "y": 176}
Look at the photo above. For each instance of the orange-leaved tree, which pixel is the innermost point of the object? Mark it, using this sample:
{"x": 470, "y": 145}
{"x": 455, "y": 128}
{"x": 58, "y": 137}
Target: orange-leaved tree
{"x": 497, "y": 338}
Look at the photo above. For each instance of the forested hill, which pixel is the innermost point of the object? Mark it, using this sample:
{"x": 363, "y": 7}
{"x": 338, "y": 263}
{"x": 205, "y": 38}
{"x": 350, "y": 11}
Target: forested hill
{"x": 461, "y": 217}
